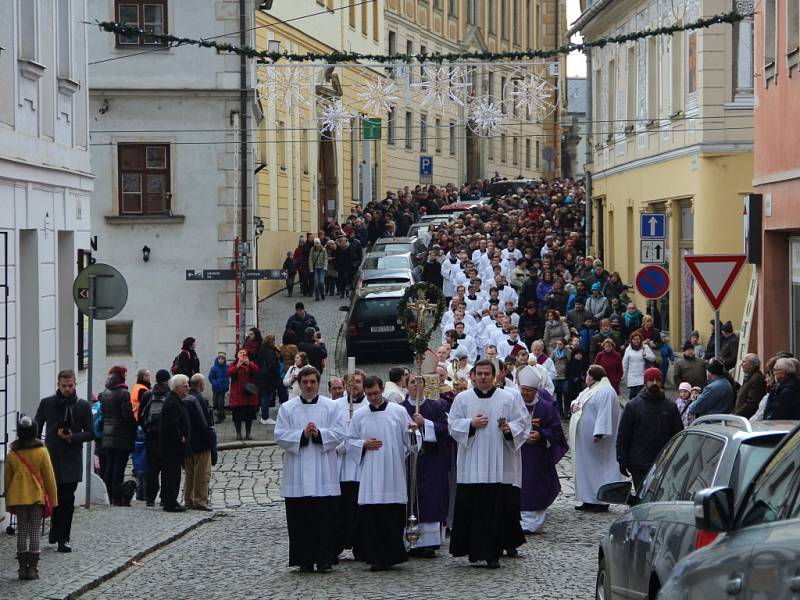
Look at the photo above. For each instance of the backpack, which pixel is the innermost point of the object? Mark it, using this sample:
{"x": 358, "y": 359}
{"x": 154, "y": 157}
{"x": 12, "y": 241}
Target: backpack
{"x": 152, "y": 420}
{"x": 176, "y": 361}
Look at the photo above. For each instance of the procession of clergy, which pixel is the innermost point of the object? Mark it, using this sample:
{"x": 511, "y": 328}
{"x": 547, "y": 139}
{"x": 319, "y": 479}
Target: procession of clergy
{"x": 485, "y": 465}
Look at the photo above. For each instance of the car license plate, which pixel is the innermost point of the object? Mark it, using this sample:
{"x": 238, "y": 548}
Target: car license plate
{"x": 382, "y": 328}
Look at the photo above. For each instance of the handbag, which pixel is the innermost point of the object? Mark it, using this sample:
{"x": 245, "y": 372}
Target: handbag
{"x": 47, "y": 511}
{"x": 250, "y": 388}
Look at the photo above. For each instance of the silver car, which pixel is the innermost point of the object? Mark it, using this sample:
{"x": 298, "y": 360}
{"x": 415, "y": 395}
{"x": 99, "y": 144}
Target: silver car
{"x": 644, "y": 544}
{"x": 757, "y": 556}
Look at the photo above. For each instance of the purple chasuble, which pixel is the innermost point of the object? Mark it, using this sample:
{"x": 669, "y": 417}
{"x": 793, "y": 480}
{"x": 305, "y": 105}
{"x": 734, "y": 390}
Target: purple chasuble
{"x": 540, "y": 484}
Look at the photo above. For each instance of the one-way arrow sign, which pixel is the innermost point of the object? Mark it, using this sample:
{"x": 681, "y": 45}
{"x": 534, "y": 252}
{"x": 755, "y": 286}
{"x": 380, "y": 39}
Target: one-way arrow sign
{"x": 652, "y": 252}
{"x": 653, "y": 226}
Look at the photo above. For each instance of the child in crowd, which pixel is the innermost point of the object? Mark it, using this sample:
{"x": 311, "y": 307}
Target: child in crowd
{"x": 683, "y": 401}
{"x": 140, "y": 465}
{"x": 667, "y": 356}
{"x": 31, "y": 493}
{"x": 220, "y": 384}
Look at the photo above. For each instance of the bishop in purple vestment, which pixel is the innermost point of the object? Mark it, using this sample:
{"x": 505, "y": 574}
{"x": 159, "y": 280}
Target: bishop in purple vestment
{"x": 546, "y": 445}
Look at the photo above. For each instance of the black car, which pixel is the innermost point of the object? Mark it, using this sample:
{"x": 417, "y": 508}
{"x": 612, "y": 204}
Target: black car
{"x": 373, "y": 324}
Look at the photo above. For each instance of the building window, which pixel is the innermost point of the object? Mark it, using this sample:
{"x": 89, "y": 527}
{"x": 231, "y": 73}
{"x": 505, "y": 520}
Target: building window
{"x": 503, "y": 94}
{"x": 652, "y": 79}
{"x": 391, "y": 119}
{"x": 538, "y": 154}
{"x": 64, "y": 35}
{"x": 351, "y": 14}
{"x": 490, "y": 148}
{"x": 144, "y": 179}
{"x": 409, "y": 128}
{"x": 687, "y": 224}
{"x": 376, "y": 31}
{"x": 490, "y": 21}
{"x": 29, "y": 32}
{"x": 612, "y": 98}
{"x": 528, "y": 40}
{"x": 515, "y": 151}
{"x": 304, "y": 150}
{"x": 452, "y": 144}
{"x": 147, "y": 15}
{"x": 423, "y": 133}
{"x": 515, "y": 22}
{"x": 452, "y": 8}
{"x": 528, "y": 153}
{"x": 438, "y": 136}
{"x": 770, "y": 37}
{"x": 537, "y": 27}
{"x": 504, "y": 19}
{"x": 691, "y": 62}
{"x": 792, "y": 31}
{"x": 503, "y": 148}
{"x": 490, "y": 85}
{"x": 119, "y": 338}
{"x": 410, "y": 67}
{"x": 437, "y": 4}
{"x": 280, "y": 140}
{"x": 630, "y": 91}
{"x": 364, "y": 17}
{"x": 677, "y": 75}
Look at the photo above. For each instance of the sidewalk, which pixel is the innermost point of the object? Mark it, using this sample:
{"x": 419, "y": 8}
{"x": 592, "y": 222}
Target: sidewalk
{"x": 105, "y": 541}
{"x": 273, "y": 313}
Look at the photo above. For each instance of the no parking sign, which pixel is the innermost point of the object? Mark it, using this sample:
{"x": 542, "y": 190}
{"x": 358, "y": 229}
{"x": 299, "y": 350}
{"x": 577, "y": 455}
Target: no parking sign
{"x": 652, "y": 282}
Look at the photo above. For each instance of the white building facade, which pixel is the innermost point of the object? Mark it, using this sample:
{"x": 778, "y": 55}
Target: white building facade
{"x": 45, "y": 192}
{"x": 165, "y": 148}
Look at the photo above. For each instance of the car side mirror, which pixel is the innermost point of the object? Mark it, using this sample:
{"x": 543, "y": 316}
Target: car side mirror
{"x": 344, "y": 308}
{"x": 714, "y": 509}
{"x": 617, "y": 492}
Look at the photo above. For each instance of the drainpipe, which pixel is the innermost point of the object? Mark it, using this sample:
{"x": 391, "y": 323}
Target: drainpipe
{"x": 243, "y": 174}
{"x": 589, "y": 126}
{"x": 557, "y": 112}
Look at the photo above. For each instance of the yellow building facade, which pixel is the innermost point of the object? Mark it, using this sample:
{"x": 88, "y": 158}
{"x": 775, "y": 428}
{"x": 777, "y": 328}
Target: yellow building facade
{"x": 305, "y": 177}
{"x": 672, "y": 134}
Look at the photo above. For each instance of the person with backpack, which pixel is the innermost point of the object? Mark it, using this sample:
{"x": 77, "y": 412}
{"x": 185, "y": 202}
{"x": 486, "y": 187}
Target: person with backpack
{"x": 30, "y": 493}
{"x": 150, "y": 421}
{"x": 220, "y": 384}
{"x": 119, "y": 431}
{"x": 186, "y": 361}
{"x": 268, "y": 378}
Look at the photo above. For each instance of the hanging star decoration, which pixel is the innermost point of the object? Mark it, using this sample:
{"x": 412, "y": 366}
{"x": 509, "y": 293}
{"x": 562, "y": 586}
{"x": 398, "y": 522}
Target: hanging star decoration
{"x": 485, "y": 117}
{"x": 287, "y": 84}
{"x": 335, "y": 117}
{"x": 378, "y": 97}
{"x": 443, "y": 84}
{"x": 532, "y": 94}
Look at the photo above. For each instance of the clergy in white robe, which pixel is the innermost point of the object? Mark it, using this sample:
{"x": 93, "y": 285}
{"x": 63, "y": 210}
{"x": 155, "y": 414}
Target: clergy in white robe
{"x": 381, "y": 430}
{"x": 309, "y": 428}
{"x": 350, "y": 470}
{"x": 490, "y": 426}
{"x": 593, "y": 438}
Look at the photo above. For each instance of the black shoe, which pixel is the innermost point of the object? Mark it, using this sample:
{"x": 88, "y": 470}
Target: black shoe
{"x": 583, "y": 507}
{"x": 64, "y": 547}
{"x": 493, "y": 564}
{"x": 323, "y": 567}
{"x": 376, "y": 568}
{"x": 306, "y": 568}
{"x": 513, "y": 553}
{"x": 51, "y": 537}
{"x": 175, "y": 509}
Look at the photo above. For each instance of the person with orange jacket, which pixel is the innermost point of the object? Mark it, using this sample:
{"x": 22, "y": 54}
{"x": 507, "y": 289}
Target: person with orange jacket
{"x": 138, "y": 391}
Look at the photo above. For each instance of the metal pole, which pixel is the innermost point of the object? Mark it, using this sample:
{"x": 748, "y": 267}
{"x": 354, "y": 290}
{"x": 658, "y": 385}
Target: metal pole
{"x": 717, "y": 333}
{"x": 90, "y": 369}
{"x": 243, "y": 141}
{"x": 587, "y": 176}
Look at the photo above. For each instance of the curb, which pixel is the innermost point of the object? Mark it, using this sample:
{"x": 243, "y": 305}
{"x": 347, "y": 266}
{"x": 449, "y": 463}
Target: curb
{"x": 243, "y": 444}
{"x": 140, "y": 555}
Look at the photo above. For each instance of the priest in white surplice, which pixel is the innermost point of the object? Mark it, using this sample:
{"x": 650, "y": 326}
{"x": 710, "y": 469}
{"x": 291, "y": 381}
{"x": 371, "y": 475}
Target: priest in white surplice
{"x": 381, "y": 431}
{"x": 490, "y": 426}
{"x": 309, "y": 428}
{"x": 593, "y": 438}
{"x": 350, "y": 469}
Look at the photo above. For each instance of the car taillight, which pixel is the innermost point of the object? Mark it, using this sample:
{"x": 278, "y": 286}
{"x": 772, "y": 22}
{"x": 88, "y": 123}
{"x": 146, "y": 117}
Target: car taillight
{"x": 704, "y": 538}
{"x": 352, "y": 329}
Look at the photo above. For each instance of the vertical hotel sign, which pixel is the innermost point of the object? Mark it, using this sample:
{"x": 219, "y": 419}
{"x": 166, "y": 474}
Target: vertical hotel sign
{"x": 84, "y": 260}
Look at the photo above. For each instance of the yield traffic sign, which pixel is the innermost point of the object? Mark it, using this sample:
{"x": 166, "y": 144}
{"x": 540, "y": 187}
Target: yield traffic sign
{"x": 652, "y": 282}
{"x": 653, "y": 226}
{"x": 715, "y": 274}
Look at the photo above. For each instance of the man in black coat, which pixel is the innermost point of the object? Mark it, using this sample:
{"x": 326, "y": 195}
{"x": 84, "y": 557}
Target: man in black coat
{"x": 174, "y": 436}
{"x": 119, "y": 431}
{"x": 67, "y": 423}
{"x": 783, "y": 402}
{"x": 300, "y": 321}
{"x": 314, "y": 349}
{"x": 150, "y": 411}
{"x": 646, "y": 425}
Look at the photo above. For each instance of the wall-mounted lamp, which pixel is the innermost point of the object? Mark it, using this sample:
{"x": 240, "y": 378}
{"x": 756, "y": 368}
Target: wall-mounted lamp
{"x": 146, "y": 253}
{"x": 273, "y": 46}
{"x": 258, "y": 226}
{"x": 265, "y": 5}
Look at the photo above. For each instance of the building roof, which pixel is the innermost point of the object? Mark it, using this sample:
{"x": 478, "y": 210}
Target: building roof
{"x": 576, "y": 95}
{"x": 586, "y": 16}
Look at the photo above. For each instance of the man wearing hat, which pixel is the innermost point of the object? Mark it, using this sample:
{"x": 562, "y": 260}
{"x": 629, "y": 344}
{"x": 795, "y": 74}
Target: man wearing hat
{"x": 648, "y": 422}
{"x": 545, "y": 446}
{"x": 717, "y": 397}
{"x": 729, "y": 346}
{"x": 689, "y": 368}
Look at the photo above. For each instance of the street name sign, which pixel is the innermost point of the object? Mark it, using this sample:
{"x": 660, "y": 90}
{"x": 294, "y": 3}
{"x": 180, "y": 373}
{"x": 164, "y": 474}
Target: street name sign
{"x": 715, "y": 274}
{"x": 652, "y": 282}
{"x": 652, "y": 252}
{"x": 653, "y": 226}
{"x": 228, "y": 274}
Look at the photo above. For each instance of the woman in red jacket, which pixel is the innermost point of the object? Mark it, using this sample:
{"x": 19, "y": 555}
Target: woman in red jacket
{"x": 244, "y": 393}
{"x": 611, "y": 361}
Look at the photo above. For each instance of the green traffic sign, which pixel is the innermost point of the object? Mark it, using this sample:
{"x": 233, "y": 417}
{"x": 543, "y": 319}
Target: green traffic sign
{"x": 372, "y": 128}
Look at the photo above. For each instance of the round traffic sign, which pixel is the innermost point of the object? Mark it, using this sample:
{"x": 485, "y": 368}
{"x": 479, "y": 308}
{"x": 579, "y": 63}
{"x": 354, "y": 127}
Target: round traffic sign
{"x": 110, "y": 291}
{"x": 652, "y": 282}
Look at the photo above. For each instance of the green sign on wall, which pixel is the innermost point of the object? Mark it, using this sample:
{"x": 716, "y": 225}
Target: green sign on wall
{"x": 371, "y": 128}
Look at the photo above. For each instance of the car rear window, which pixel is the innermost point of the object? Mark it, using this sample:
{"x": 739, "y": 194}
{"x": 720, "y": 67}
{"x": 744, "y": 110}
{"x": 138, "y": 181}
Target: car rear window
{"x": 369, "y": 309}
{"x": 503, "y": 188}
{"x": 386, "y": 262}
{"x": 385, "y": 281}
{"x": 752, "y": 455}
{"x": 395, "y": 248}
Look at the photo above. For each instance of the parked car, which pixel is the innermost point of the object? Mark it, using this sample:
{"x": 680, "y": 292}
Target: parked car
{"x": 758, "y": 557}
{"x": 463, "y": 205}
{"x": 643, "y": 545}
{"x": 402, "y": 245}
{"x": 513, "y": 186}
{"x": 372, "y": 322}
{"x": 384, "y": 277}
{"x": 421, "y": 229}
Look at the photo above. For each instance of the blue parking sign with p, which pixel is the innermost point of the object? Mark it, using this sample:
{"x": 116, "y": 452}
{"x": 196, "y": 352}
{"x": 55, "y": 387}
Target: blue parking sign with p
{"x": 426, "y": 165}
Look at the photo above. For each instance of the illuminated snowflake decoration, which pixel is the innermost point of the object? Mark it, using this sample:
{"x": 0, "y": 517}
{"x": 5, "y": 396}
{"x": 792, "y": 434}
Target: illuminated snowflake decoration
{"x": 334, "y": 117}
{"x": 378, "y": 97}
{"x": 286, "y": 84}
{"x": 443, "y": 84}
{"x": 485, "y": 117}
{"x": 531, "y": 94}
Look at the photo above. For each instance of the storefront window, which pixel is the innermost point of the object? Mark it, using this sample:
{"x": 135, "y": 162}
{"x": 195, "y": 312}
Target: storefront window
{"x": 795, "y": 294}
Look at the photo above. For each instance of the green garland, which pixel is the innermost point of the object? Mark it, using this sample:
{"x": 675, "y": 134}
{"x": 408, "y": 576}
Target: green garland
{"x": 435, "y": 57}
{"x": 419, "y": 340}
